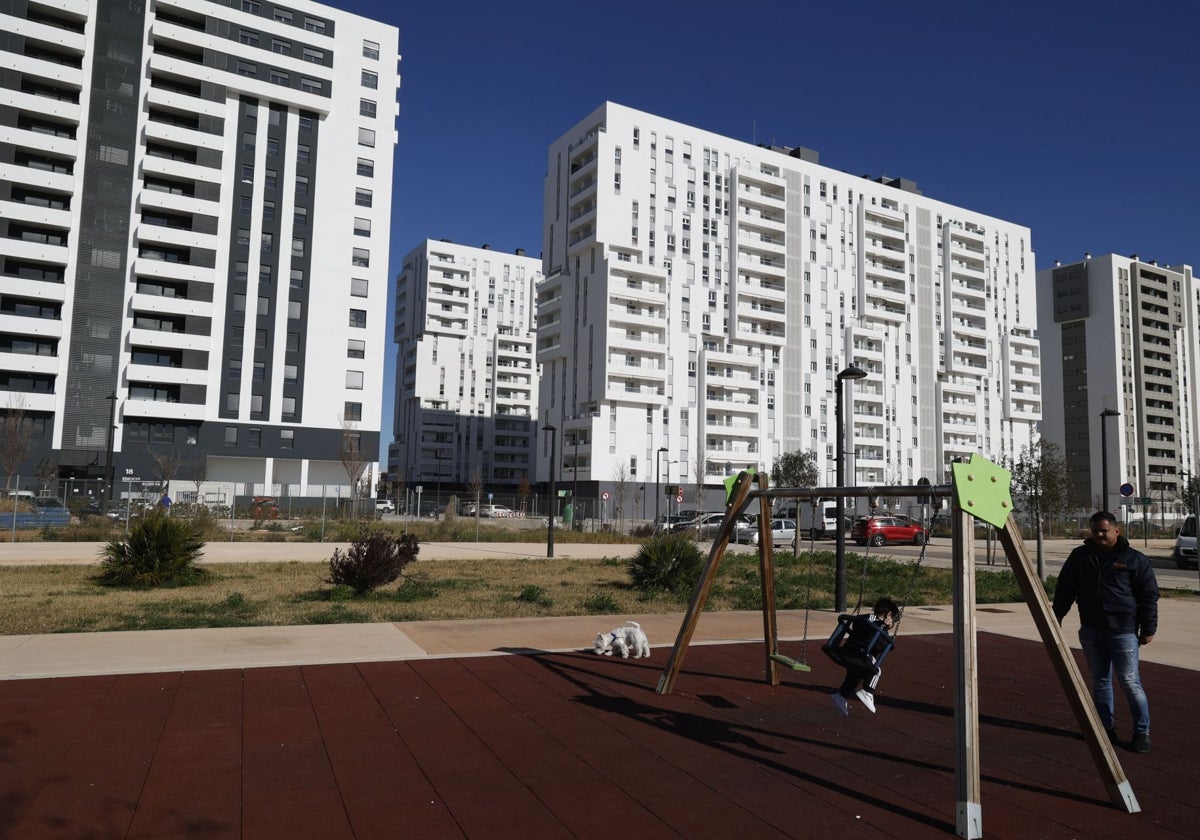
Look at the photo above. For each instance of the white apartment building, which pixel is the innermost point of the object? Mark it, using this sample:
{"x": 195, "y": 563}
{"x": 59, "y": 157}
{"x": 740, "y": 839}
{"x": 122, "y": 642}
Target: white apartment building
{"x": 702, "y": 294}
{"x": 194, "y": 216}
{"x": 466, "y": 381}
{"x": 1121, "y": 334}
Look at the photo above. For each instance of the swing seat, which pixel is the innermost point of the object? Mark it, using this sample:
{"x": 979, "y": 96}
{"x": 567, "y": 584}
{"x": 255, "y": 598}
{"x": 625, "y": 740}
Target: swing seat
{"x": 836, "y": 647}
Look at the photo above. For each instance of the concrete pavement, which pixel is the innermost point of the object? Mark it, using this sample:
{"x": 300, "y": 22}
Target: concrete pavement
{"x": 77, "y": 654}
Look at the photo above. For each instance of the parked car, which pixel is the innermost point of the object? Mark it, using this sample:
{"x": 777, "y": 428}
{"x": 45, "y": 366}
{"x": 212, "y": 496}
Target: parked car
{"x": 707, "y": 526}
{"x": 385, "y": 506}
{"x": 1185, "y": 544}
{"x": 783, "y": 532}
{"x": 116, "y": 511}
{"x": 670, "y": 522}
{"x": 881, "y": 530}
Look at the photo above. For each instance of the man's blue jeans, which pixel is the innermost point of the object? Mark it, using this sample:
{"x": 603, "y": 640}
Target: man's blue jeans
{"x": 1107, "y": 652}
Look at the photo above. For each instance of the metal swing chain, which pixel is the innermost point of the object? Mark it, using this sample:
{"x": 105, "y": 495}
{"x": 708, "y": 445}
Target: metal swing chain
{"x": 912, "y": 583}
{"x": 812, "y": 550}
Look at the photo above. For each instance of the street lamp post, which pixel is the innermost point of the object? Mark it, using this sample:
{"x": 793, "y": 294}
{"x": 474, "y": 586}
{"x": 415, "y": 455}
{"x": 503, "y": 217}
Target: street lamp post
{"x": 662, "y": 450}
{"x": 839, "y": 594}
{"x": 575, "y": 486}
{"x": 108, "y": 453}
{"x": 1104, "y": 415}
{"x": 553, "y": 430}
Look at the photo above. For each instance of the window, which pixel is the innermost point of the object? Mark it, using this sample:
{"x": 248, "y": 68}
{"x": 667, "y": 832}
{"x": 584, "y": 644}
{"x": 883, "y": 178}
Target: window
{"x": 314, "y": 25}
{"x": 362, "y": 227}
{"x": 264, "y": 274}
{"x": 362, "y": 197}
{"x": 235, "y": 370}
{"x": 245, "y": 205}
{"x": 370, "y": 79}
{"x": 358, "y": 287}
{"x": 260, "y": 339}
{"x": 268, "y": 210}
{"x": 278, "y": 77}
{"x": 305, "y": 121}
{"x": 272, "y": 146}
{"x": 250, "y": 6}
{"x": 313, "y": 56}
{"x": 248, "y": 38}
{"x": 356, "y": 349}
{"x": 311, "y": 85}
{"x": 283, "y": 15}
{"x": 293, "y": 342}
{"x": 239, "y": 302}
{"x": 358, "y": 318}
{"x": 232, "y": 401}
{"x": 247, "y": 68}
{"x": 260, "y": 372}
{"x": 300, "y": 217}
{"x": 264, "y": 305}
{"x": 366, "y": 168}
{"x": 287, "y": 437}
{"x": 366, "y": 108}
{"x": 294, "y": 310}
{"x": 280, "y": 46}
{"x": 352, "y": 412}
{"x": 231, "y": 435}
{"x": 371, "y": 50}
{"x": 296, "y": 280}
{"x": 361, "y": 258}
{"x": 301, "y": 185}
{"x": 268, "y": 241}
{"x": 248, "y": 141}
{"x": 354, "y": 380}
{"x": 303, "y": 153}
{"x": 298, "y": 248}
{"x": 256, "y": 403}
{"x": 288, "y": 406}
{"x": 272, "y": 179}
{"x": 240, "y": 271}
{"x": 290, "y": 375}
{"x": 366, "y": 137}
{"x": 243, "y": 236}
{"x": 254, "y": 438}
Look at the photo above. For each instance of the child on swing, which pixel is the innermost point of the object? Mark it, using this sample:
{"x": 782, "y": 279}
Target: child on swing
{"x": 861, "y": 668}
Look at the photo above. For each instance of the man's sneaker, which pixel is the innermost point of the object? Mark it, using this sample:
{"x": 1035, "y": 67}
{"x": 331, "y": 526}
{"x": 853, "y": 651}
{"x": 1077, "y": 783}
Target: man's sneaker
{"x": 841, "y": 704}
{"x": 1112, "y": 735}
{"x": 866, "y": 698}
{"x": 1141, "y": 742}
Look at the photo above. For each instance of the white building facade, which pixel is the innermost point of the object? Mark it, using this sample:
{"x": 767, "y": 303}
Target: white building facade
{"x": 702, "y": 294}
{"x": 1121, "y": 334}
{"x": 195, "y": 202}
{"x": 466, "y": 381}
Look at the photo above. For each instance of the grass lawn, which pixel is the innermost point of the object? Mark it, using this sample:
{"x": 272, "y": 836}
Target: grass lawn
{"x": 60, "y": 599}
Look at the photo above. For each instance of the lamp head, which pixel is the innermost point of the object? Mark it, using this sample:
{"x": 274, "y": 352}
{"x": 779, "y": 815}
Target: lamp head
{"x": 852, "y": 372}
{"x": 1110, "y": 412}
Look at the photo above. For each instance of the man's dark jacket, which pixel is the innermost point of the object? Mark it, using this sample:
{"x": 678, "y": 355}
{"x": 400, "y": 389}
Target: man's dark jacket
{"x": 1116, "y": 590}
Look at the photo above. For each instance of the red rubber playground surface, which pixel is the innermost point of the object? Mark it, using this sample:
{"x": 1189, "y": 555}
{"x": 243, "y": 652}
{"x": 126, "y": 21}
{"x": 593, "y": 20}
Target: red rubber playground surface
{"x": 547, "y": 745}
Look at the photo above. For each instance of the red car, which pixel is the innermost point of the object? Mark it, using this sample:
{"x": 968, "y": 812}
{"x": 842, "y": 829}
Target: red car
{"x": 881, "y": 530}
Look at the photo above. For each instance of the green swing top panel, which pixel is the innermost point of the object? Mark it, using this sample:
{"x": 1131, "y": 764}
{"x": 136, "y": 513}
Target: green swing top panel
{"x": 984, "y": 490}
{"x": 731, "y": 482}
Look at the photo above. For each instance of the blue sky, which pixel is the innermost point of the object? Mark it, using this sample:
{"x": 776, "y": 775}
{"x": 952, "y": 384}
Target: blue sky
{"x": 1078, "y": 119}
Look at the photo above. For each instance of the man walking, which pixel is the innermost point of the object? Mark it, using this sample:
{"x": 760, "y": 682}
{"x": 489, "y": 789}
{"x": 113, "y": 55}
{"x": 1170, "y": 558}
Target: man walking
{"x": 1117, "y": 593}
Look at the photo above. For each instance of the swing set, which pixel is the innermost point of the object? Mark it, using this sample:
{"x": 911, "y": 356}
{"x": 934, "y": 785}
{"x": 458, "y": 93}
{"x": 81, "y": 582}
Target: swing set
{"x": 979, "y": 489}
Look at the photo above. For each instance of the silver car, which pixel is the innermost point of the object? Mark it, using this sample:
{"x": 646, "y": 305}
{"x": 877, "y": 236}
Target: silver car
{"x": 706, "y": 527}
{"x": 783, "y": 531}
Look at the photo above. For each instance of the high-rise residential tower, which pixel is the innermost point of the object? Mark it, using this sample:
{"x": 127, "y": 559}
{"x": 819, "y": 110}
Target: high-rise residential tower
{"x": 1122, "y": 334}
{"x": 466, "y": 382}
{"x": 194, "y": 216}
{"x": 702, "y": 294}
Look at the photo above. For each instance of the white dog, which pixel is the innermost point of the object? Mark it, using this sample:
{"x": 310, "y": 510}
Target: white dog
{"x": 623, "y": 640}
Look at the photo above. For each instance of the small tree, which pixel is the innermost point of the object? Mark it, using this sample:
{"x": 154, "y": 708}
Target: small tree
{"x": 524, "y": 491}
{"x": 475, "y": 488}
{"x": 166, "y": 465}
{"x": 15, "y": 437}
{"x": 699, "y": 468}
{"x": 1040, "y": 481}
{"x": 1191, "y": 493}
{"x": 47, "y": 474}
{"x": 796, "y": 469}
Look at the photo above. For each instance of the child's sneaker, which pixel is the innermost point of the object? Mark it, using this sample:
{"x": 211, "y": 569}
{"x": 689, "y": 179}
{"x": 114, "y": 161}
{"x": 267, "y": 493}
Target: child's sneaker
{"x": 841, "y": 704}
{"x": 867, "y": 700}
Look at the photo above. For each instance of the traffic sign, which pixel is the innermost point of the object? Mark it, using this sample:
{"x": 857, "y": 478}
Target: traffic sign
{"x": 1127, "y": 489}
{"x": 679, "y": 496}
{"x": 604, "y": 496}
{"x": 1144, "y": 501}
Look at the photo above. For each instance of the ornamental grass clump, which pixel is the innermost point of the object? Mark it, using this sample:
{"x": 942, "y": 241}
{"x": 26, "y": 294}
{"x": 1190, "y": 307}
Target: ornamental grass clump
{"x": 666, "y": 563}
{"x": 159, "y": 550}
{"x": 374, "y": 559}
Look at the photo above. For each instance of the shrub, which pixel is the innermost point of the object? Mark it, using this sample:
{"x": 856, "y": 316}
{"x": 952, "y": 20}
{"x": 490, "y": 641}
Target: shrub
{"x": 602, "y": 604}
{"x": 160, "y": 550}
{"x": 533, "y": 594}
{"x": 374, "y": 558}
{"x": 668, "y": 562}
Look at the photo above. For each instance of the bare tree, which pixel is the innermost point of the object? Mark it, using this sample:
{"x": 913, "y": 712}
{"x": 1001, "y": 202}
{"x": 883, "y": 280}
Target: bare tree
{"x": 524, "y": 491}
{"x": 1040, "y": 481}
{"x": 475, "y": 488}
{"x": 197, "y": 473}
{"x": 15, "y": 437}
{"x": 354, "y": 462}
{"x": 622, "y": 486}
{"x": 47, "y": 474}
{"x": 699, "y": 468}
{"x": 166, "y": 465}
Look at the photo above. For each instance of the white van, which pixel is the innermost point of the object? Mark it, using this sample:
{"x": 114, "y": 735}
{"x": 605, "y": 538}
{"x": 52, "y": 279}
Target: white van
{"x": 819, "y": 526}
{"x": 1185, "y": 544}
